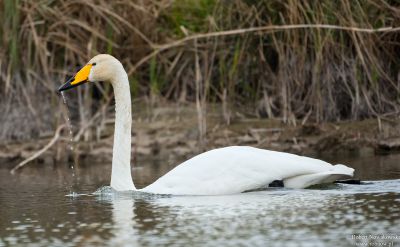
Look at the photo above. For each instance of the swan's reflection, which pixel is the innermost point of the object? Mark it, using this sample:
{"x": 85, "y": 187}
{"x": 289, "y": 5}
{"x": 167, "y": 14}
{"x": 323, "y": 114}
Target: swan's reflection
{"x": 255, "y": 218}
{"x": 141, "y": 219}
{"x": 124, "y": 228}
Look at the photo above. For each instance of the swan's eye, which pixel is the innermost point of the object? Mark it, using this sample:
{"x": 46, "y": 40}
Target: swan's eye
{"x": 93, "y": 64}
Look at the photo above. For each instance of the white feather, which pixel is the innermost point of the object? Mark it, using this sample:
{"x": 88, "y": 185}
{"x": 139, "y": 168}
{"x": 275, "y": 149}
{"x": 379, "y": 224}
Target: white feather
{"x": 236, "y": 169}
{"x": 220, "y": 171}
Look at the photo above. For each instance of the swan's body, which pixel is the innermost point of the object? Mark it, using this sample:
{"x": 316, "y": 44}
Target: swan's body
{"x": 236, "y": 169}
{"x": 220, "y": 171}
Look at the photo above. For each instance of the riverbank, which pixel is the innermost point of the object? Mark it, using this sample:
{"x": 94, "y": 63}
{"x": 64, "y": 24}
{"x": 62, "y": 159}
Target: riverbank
{"x": 172, "y": 131}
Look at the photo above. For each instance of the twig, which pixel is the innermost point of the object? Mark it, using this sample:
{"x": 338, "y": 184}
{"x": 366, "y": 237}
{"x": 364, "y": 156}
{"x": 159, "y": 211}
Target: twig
{"x": 38, "y": 153}
{"x": 160, "y": 48}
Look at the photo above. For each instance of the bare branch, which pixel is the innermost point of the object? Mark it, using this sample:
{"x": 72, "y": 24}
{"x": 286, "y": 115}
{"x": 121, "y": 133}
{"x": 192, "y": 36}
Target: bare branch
{"x": 41, "y": 151}
{"x": 160, "y": 48}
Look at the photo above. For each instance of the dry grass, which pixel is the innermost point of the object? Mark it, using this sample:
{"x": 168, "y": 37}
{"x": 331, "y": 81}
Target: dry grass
{"x": 183, "y": 51}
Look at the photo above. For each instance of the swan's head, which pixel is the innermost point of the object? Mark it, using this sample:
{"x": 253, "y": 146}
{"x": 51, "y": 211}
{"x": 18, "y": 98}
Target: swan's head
{"x": 102, "y": 67}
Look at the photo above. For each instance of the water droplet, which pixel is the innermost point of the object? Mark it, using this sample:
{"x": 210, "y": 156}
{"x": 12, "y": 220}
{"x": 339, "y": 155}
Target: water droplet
{"x": 71, "y": 134}
{"x": 69, "y": 125}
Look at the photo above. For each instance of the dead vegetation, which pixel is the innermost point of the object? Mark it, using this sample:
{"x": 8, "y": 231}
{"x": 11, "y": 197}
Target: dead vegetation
{"x": 294, "y": 62}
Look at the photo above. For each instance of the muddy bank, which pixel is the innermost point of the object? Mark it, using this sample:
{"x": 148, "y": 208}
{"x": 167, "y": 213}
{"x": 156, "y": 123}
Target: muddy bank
{"x": 172, "y": 133}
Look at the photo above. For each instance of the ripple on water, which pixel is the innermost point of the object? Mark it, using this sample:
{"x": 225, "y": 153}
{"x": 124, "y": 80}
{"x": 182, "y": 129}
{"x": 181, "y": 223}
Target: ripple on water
{"x": 326, "y": 216}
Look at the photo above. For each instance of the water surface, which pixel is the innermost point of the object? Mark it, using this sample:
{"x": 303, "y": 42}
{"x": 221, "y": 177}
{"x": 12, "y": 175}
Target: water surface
{"x": 35, "y": 210}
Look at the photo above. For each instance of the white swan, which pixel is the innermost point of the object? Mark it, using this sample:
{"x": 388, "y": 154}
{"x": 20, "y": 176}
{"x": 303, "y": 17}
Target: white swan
{"x": 220, "y": 171}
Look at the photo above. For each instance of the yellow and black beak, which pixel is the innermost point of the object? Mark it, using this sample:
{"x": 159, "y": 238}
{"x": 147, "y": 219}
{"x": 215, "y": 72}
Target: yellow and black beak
{"x": 80, "y": 78}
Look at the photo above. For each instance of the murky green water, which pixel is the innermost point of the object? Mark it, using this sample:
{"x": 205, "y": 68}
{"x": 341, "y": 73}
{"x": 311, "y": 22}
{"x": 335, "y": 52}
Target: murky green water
{"x": 34, "y": 211}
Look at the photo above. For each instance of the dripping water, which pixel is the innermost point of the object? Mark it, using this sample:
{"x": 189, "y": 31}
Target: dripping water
{"x": 71, "y": 136}
{"x": 69, "y": 125}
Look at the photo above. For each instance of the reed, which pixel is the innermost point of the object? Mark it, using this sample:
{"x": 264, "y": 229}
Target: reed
{"x": 178, "y": 51}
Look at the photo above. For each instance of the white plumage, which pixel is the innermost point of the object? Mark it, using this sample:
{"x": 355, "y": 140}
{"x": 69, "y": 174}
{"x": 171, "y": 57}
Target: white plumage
{"x": 220, "y": 171}
{"x": 236, "y": 169}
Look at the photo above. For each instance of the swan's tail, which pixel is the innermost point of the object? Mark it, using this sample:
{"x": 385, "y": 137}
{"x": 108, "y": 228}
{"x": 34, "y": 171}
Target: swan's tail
{"x": 337, "y": 172}
{"x": 343, "y": 170}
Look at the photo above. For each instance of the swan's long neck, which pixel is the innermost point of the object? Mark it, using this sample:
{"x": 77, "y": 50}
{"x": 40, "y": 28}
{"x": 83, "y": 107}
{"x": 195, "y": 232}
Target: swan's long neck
{"x": 121, "y": 178}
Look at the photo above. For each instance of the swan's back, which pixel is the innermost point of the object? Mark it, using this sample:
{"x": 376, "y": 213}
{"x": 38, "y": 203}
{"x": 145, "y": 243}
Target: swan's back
{"x": 236, "y": 169}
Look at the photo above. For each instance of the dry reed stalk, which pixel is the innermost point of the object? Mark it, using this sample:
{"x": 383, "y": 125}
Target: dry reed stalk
{"x": 180, "y": 42}
{"x": 270, "y": 58}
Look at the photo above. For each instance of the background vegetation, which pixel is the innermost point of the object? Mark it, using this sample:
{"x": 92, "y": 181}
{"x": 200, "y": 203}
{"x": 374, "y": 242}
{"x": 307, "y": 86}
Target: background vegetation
{"x": 295, "y": 75}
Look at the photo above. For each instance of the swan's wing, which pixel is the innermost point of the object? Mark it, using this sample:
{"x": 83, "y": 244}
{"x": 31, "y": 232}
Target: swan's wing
{"x": 302, "y": 181}
{"x": 236, "y": 169}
